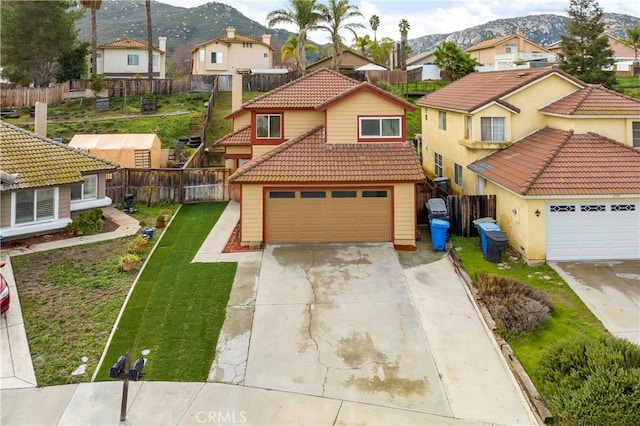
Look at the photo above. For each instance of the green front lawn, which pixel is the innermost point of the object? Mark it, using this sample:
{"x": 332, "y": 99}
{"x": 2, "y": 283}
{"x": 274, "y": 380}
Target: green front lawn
{"x": 177, "y": 308}
{"x": 571, "y": 318}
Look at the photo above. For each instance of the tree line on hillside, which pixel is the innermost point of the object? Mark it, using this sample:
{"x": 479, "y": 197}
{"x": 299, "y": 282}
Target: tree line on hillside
{"x": 53, "y": 52}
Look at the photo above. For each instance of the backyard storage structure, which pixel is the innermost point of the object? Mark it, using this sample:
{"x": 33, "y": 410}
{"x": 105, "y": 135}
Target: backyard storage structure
{"x": 133, "y": 150}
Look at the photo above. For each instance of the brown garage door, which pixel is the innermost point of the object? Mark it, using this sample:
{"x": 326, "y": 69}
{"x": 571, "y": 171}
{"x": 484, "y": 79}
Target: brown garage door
{"x": 328, "y": 215}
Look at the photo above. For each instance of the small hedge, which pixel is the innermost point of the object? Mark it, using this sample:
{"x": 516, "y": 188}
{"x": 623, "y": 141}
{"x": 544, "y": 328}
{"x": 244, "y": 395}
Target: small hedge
{"x": 592, "y": 381}
{"x": 87, "y": 223}
{"x": 513, "y": 305}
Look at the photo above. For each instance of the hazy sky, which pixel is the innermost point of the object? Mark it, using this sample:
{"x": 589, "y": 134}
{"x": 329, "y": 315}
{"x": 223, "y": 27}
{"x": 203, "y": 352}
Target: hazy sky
{"x": 425, "y": 16}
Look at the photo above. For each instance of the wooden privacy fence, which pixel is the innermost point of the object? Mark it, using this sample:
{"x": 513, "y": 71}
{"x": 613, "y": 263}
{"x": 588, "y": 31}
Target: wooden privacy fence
{"x": 464, "y": 209}
{"x": 22, "y": 97}
{"x": 185, "y": 186}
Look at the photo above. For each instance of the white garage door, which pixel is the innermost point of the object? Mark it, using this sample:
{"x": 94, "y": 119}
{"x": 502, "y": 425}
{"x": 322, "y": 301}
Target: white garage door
{"x": 593, "y": 231}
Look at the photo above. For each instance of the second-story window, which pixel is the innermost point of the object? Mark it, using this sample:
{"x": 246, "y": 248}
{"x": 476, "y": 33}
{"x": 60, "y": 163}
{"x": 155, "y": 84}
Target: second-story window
{"x": 636, "y": 134}
{"x": 492, "y": 129}
{"x": 269, "y": 126}
{"x": 133, "y": 60}
{"x": 437, "y": 162}
{"x": 468, "y": 130}
{"x": 216, "y": 57}
{"x": 442, "y": 120}
{"x": 380, "y": 127}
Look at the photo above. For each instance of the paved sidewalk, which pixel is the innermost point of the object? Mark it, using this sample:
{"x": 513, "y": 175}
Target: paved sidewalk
{"x": 16, "y": 367}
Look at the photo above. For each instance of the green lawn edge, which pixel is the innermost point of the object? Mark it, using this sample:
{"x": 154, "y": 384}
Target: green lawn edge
{"x": 177, "y": 308}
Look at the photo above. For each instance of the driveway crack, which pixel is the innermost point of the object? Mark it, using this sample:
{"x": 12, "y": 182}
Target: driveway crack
{"x": 310, "y": 310}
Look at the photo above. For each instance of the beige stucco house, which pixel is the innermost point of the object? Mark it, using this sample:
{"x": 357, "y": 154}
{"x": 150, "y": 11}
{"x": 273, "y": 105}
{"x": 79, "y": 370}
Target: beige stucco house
{"x": 232, "y": 53}
{"x": 503, "y": 52}
{"x": 561, "y": 156}
{"x": 127, "y": 57}
{"x": 43, "y": 184}
{"x": 324, "y": 158}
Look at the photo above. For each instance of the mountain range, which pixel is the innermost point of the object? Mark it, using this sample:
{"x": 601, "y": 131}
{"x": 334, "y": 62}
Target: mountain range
{"x": 190, "y": 26}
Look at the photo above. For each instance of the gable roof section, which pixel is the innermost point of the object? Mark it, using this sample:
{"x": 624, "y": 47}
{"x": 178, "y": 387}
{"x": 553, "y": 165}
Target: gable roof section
{"x": 240, "y": 137}
{"x": 499, "y": 40}
{"x": 345, "y": 52}
{"x": 126, "y": 43}
{"x": 39, "y": 162}
{"x": 239, "y": 38}
{"x": 594, "y": 100}
{"x": 481, "y": 88}
{"x": 316, "y": 90}
{"x": 557, "y": 162}
{"x": 308, "y": 159}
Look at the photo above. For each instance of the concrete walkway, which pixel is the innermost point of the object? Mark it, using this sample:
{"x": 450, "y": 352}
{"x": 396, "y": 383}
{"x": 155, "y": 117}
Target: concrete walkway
{"x": 16, "y": 367}
{"x": 478, "y": 385}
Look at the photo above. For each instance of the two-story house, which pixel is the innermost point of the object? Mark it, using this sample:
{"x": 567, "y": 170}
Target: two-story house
{"x": 324, "y": 159}
{"x": 507, "y": 51}
{"x": 127, "y": 57}
{"x": 561, "y": 155}
{"x": 43, "y": 184}
{"x": 232, "y": 53}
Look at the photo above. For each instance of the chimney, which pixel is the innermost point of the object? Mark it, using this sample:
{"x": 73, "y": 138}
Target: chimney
{"x": 231, "y": 32}
{"x": 41, "y": 119}
{"x": 266, "y": 39}
{"x": 162, "y": 44}
{"x": 519, "y": 32}
{"x": 236, "y": 92}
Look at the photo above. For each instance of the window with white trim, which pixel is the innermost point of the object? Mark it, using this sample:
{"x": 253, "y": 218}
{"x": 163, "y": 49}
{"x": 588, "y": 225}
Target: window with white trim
{"x": 88, "y": 190}
{"x": 492, "y": 129}
{"x": 636, "y": 134}
{"x": 133, "y": 59}
{"x": 216, "y": 57}
{"x": 269, "y": 126}
{"x": 35, "y": 205}
{"x": 201, "y": 54}
{"x": 437, "y": 161}
{"x": 468, "y": 130}
{"x": 380, "y": 127}
{"x": 156, "y": 60}
{"x": 442, "y": 120}
{"x": 458, "y": 174}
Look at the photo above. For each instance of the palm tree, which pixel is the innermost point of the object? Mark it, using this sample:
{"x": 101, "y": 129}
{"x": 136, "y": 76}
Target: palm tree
{"x": 374, "y": 21}
{"x": 402, "y": 55}
{"x": 335, "y": 14}
{"x": 363, "y": 43}
{"x": 454, "y": 63}
{"x": 632, "y": 39}
{"x": 93, "y": 6}
{"x": 290, "y": 50}
{"x": 147, "y": 6}
{"x": 303, "y": 13}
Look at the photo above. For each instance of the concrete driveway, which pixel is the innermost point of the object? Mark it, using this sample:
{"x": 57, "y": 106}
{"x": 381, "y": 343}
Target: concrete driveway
{"x": 611, "y": 289}
{"x": 340, "y": 321}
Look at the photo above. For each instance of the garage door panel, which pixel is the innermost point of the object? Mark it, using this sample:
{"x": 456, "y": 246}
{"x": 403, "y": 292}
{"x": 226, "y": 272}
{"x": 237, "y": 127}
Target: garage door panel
{"x": 339, "y": 216}
{"x": 593, "y": 231}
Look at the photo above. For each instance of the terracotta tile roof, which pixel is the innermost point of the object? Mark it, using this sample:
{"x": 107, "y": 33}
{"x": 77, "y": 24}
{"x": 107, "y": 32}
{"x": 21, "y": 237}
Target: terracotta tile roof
{"x": 239, "y": 38}
{"x": 125, "y": 43}
{"x": 558, "y": 162}
{"x": 594, "y": 100}
{"x": 316, "y": 90}
{"x": 481, "y": 88}
{"x": 241, "y": 137}
{"x": 489, "y": 43}
{"x": 41, "y": 162}
{"x": 308, "y": 159}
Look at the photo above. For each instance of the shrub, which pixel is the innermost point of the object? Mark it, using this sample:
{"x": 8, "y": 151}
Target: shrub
{"x": 97, "y": 82}
{"x": 129, "y": 258}
{"x": 137, "y": 244}
{"x": 87, "y": 223}
{"x": 513, "y": 305}
{"x": 592, "y": 381}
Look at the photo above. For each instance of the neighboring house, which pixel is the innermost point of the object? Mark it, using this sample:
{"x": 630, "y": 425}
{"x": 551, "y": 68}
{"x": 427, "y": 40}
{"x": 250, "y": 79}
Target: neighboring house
{"x": 324, "y": 159}
{"x": 232, "y": 53}
{"x": 424, "y": 58}
{"x": 348, "y": 60}
{"x": 44, "y": 183}
{"x": 561, "y": 156}
{"x": 127, "y": 57}
{"x": 621, "y": 51}
{"x": 508, "y": 51}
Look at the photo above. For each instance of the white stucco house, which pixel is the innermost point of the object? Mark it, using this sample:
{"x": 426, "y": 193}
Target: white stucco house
{"x": 127, "y": 57}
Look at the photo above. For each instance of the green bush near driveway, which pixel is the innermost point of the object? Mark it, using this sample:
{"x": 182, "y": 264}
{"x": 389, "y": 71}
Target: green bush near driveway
{"x": 177, "y": 308}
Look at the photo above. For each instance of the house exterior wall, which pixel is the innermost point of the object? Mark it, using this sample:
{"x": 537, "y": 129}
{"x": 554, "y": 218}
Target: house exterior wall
{"x": 114, "y": 61}
{"x": 523, "y": 49}
{"x": 619, "y": 129}
{"x": 404, "y": 214}
{"x": 252, "y": 214}
{"x": 5, "y": 209}
{"x": 297, "y": 123}
{"x": 342, "y": 118}
{"x": 241, "y": 121}
{"x": 234, "y": 56}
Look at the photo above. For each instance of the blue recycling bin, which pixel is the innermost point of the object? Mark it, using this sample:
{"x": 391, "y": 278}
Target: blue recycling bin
{"x": 148, "y": 232}
{"x": 483, "y": 227}
{"x": 439, "y": 228}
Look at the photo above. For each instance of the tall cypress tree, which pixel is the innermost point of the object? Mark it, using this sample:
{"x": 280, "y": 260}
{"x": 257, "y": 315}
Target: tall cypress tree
{"x": 585, "y": 48}
{"x": 33, "y": 36}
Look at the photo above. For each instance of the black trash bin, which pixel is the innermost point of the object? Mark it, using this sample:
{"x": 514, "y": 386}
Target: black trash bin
{"x": 129, "y": 203}
{"x": 442, "y": 183}
{"x": 437, "y": 209}
{"x": 496, "y": 241}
